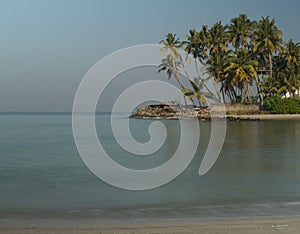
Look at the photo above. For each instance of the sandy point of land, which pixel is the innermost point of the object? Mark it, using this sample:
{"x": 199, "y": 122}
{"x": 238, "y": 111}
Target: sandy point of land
{"x": 222, "y": 226}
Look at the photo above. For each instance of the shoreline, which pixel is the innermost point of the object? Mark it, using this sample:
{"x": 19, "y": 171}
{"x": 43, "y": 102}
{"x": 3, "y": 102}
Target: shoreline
{"x": 236, "y": 117}
{"x": 234, "y": 112}
{"x": 265, "y": 117}
{"x": 246, "y": 225}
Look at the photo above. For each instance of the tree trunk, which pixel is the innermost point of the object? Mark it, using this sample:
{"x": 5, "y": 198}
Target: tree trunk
{"x": 271, "y": 65}
{"x": 181, "y": 87}
{"x": 223, "y": 95}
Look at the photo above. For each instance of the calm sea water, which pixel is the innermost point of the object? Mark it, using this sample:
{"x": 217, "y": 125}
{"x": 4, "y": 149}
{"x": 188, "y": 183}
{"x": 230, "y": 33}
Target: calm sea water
{"x": 41, "y": 172}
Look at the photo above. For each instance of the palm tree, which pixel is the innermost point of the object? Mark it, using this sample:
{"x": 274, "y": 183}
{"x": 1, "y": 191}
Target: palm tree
{"x": 171, "y": 66}
{"x": 242, "y": 73}
{"x": 194, "y": 47}
{"x": 219, "y": 38}
{"x": 197, "y": 44}
{"x": 215, "y": 66}
{"x": 291, "y": 55}
{"x": 289, "y": 83}
{"x": 171, "y": 44}
{"x": 257, "y": 48}
{"x": 197, "y": 91}
{"x": 269, "y": 86}
{"x": 287, "y": 69}
{"x": 267, "y": 39}
{"x": 205, "y": 38}
{"x": 285, "y": 79}
{"x": 240, "y": 31}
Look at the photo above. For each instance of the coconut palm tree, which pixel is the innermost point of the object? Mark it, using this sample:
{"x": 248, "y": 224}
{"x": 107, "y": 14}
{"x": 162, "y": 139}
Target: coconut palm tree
{"x": 205, "y": 39}
{"x": 197, "y": 91}
{"x": 215, "y": 69}
{"x": 257, "y": 50}
{"x": 291, "y": 55}
{"x": 171, "y": 44}
{"x": 171, "y": 66}
{"x": 219, "y": 38}
{"x": 289, "y": 83}
{"x": 287, "y": 69}
{"x": 240, "y": 31}
{"x": 269, "y": 86}
{"x": 242, "y": 73}
{"x": 197, "y": 44}
{"x": 194, "y": 47}
{"x": 267, "y": 39}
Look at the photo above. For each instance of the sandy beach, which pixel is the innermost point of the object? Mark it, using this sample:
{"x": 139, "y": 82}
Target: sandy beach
{"x": 233, "y": 226}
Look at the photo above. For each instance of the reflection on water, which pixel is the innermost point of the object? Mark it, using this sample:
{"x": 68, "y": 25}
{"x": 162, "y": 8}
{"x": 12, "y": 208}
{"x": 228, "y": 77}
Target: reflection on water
{"x": 40, "y": 170}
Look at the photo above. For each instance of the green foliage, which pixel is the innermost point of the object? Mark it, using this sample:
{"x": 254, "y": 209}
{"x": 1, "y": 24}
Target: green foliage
{"x": 277, "y": 105}
{"x": 244, "y": 58}
{"x": 198, "y": 92}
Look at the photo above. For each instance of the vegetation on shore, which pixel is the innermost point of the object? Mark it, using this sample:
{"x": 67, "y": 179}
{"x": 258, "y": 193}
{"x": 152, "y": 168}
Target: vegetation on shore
{"x": 247, "y": 60}
{"x": 278, "y": 105}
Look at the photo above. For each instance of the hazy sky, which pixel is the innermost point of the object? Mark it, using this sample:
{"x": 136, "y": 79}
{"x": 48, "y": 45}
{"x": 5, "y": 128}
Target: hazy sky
{"x": 47, "y": 46}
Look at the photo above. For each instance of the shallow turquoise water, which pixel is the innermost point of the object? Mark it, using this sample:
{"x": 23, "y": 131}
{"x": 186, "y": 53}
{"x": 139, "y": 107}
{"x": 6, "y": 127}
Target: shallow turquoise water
{"x": 41, "y": 172}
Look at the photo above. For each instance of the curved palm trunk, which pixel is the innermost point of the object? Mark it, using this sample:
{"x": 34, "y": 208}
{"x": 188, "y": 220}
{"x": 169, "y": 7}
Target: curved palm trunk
{"x": 234, "y": 94}
{"x": 184, "y": 69}
{"x": 179, "y": 82}
{"x": 181, "y": 86}
{"x": 188, "y": 77}
{"x": 218, "y": 90}
{"x": 271, "y": 65}
{"x": 197, "y": 70}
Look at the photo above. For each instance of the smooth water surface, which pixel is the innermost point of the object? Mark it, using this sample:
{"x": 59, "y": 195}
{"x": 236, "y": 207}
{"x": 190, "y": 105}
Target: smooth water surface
{"x": 41, "y": 172}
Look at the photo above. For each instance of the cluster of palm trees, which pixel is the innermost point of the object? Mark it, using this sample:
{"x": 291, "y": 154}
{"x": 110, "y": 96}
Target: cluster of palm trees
{"x": 247, "y": 60}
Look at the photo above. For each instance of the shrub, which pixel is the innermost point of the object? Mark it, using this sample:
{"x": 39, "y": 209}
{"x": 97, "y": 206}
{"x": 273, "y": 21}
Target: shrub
{"x": 278, "y": 105}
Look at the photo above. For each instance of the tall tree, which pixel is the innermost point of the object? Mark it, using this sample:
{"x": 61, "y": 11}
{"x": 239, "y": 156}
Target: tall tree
{"x": 215, "y": 69}
{"x": 242, "y": 73}
{"x": 219, "y": 38}
{"x": 195, "y": 48}
{"x": 287, "y": 69}
{"x": 171, "y": 44}
{"x": 267, "y": 39}
{"x": 197, "y": 44}
{"x": 257, "y": 49}
{"x": 291, "y": 55}
{"x": 171, "y": 66}
{"x": 240, "y": 31}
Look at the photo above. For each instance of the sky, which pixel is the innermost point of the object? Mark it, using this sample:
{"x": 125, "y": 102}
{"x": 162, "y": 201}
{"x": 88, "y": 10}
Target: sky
{"x": 47, "y": 46}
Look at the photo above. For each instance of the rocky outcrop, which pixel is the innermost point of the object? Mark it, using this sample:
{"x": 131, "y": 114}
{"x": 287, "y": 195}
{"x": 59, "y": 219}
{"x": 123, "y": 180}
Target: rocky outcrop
{"x": 172, "y": 111}
{"x": 234, "y": 112}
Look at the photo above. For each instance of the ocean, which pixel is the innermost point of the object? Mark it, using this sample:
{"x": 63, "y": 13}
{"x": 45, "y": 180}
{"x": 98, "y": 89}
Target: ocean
{"x": 43, "y": 175}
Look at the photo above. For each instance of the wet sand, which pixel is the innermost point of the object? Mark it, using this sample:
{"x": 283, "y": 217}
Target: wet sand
{"x": 233, "y": 226}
